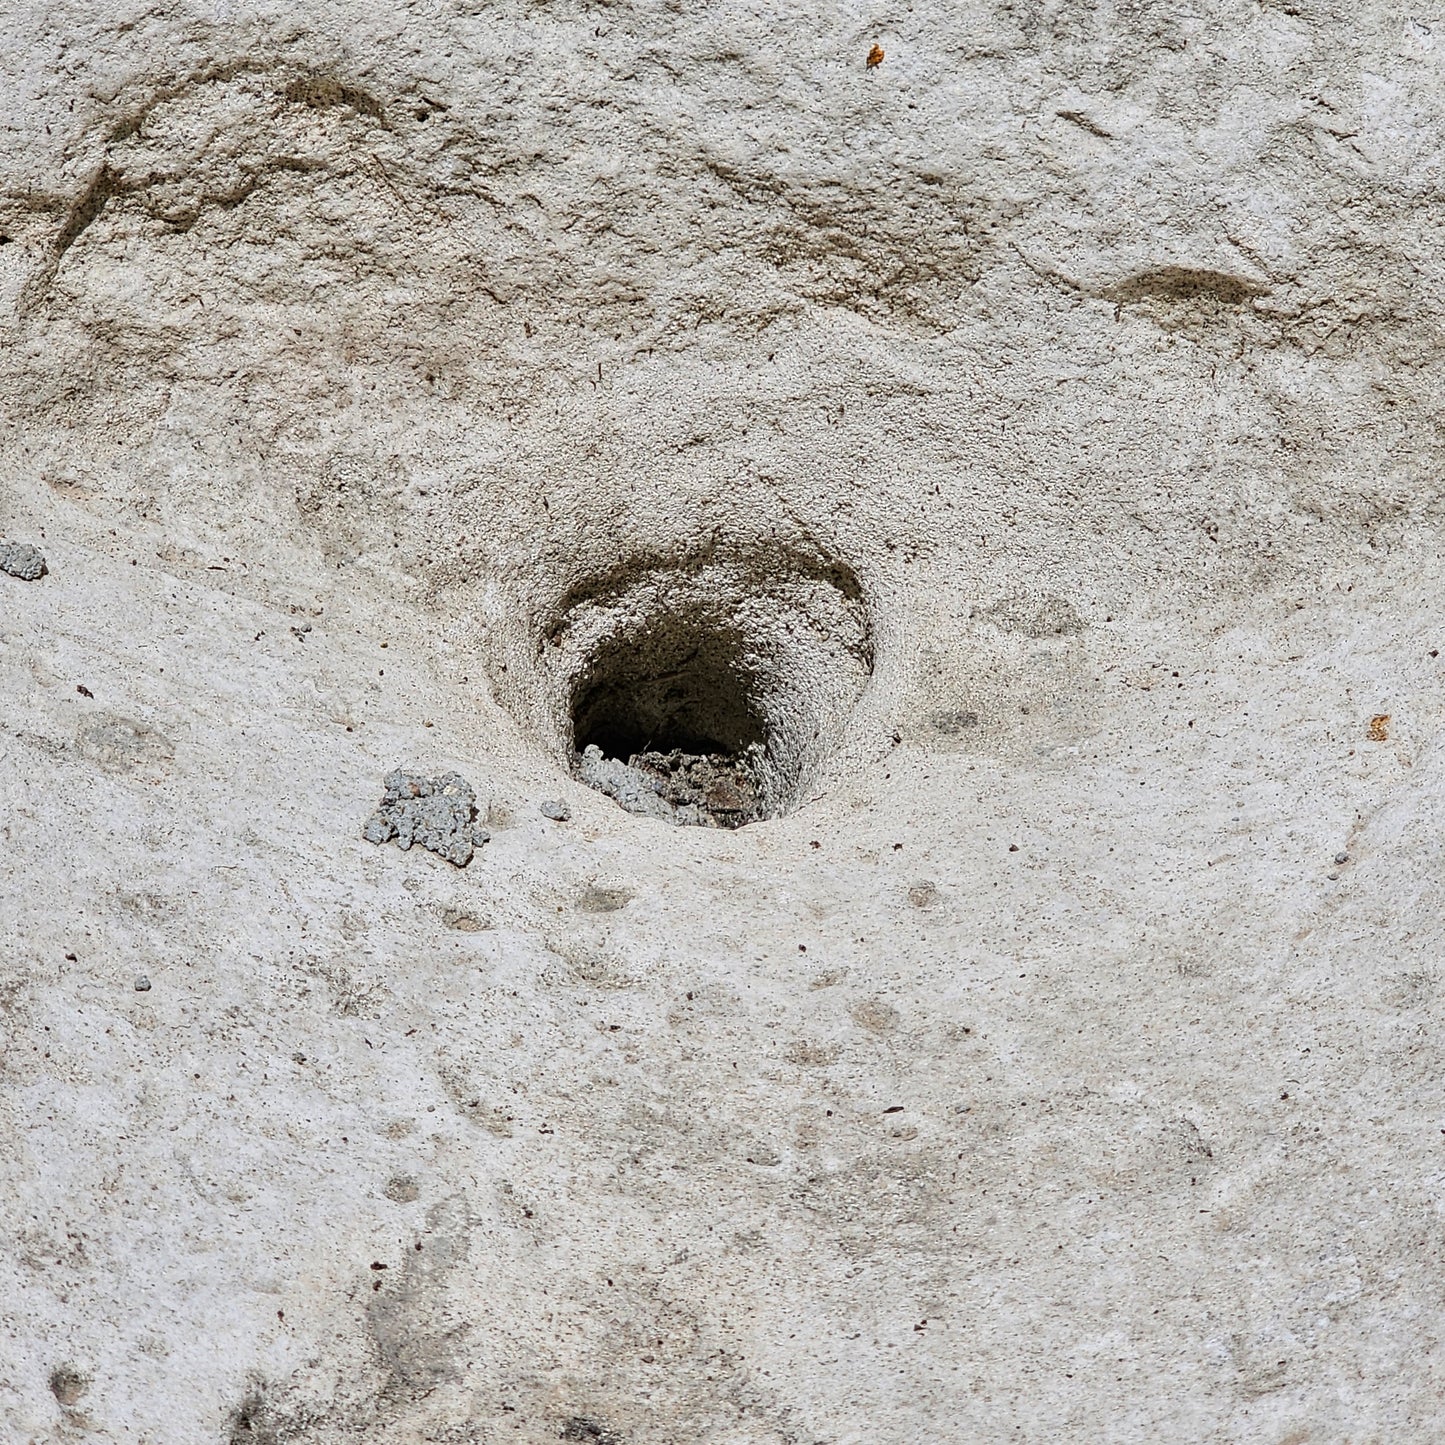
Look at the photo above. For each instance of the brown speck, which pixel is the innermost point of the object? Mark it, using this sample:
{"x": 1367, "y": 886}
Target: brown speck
{"x": 67, "y": 1384}
{"x": 875, "y": 1016}
{"x": 875, "y": 57}
{"x": 401, "y": 1189}
{"x": 808, "y": 1055}
{"x": 462, "y": 921}
{"x": 1378, "y": 731}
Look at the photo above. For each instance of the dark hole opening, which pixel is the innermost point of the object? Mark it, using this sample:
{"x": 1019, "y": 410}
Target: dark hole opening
{"x": 666, "y": 722}
{"x": 687, "y": 691}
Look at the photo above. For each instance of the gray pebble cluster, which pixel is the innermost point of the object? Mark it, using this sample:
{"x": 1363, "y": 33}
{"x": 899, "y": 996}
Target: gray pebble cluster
{"x": 22, "y": 560}
{"x": 436, "y": 813}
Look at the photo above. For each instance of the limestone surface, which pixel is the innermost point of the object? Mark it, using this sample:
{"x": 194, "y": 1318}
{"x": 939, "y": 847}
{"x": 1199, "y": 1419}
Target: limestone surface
{"x": 1021, "y": 422}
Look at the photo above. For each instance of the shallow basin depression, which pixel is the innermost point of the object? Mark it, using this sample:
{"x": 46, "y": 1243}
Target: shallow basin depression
{"x": 707, "y": 690}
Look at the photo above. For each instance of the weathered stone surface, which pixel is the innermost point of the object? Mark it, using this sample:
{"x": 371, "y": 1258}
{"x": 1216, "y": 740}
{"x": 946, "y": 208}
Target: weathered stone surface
{"x": 1047, "y": 416}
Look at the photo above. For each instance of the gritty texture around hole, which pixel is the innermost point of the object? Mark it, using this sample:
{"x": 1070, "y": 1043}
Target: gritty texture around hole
{"x": 706, "y": 691}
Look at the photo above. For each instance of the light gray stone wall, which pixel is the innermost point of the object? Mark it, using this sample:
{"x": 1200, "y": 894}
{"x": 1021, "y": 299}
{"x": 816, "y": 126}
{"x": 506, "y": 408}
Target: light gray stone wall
{"x": 1063, "y": 1064}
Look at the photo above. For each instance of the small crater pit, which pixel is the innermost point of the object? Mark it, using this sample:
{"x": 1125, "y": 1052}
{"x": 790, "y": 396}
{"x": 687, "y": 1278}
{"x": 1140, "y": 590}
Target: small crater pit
{"x": 666, "y": 722}
{"x": 68, "y": 1385}
{"x": 707, "y": 691}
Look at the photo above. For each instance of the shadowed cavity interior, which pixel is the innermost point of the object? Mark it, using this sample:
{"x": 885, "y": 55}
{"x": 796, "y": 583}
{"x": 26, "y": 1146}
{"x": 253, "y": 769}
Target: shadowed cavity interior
{"x": 684, "y": 684}
{"x": 704, "y": 691}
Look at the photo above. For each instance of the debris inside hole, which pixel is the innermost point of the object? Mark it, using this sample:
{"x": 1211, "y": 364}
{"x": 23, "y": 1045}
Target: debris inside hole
{"x": 705, "y": 689}
{"x": 666, "y": 723}
{"x": 709, "y": 790}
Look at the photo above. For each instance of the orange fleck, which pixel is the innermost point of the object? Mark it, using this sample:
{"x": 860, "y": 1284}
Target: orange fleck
{"x": 875, "y": 56}
{"x": 1377, "y": 731}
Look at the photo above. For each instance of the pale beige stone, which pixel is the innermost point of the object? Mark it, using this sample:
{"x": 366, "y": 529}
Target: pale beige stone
{"x": 1064, "y": 1064}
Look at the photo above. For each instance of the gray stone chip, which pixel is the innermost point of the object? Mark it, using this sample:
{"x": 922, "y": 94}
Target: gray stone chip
{"x": 22, "y": 560}
{"x": 436, "y": 813}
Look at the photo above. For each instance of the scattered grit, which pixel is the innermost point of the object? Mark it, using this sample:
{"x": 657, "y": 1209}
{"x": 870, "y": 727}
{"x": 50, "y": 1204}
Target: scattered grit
{"x": 22, "y": 560}
{"x": 708, "y": 790}
{"x": 437, "y": 813}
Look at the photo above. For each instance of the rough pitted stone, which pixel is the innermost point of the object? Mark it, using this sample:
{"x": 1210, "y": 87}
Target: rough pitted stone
{"x": 22, "y": 560}
{"x": 1056, "y": 405}
{"x": 435, "y": 813}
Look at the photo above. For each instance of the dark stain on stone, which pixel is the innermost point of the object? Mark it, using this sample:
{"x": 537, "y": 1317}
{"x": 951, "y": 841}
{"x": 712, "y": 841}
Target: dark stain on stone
{"x": 248, "y": 1424}
{"x": 1186, "y": 283}
{"x": 68, "y": 1385}
{"x": 580, "y": 1428}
